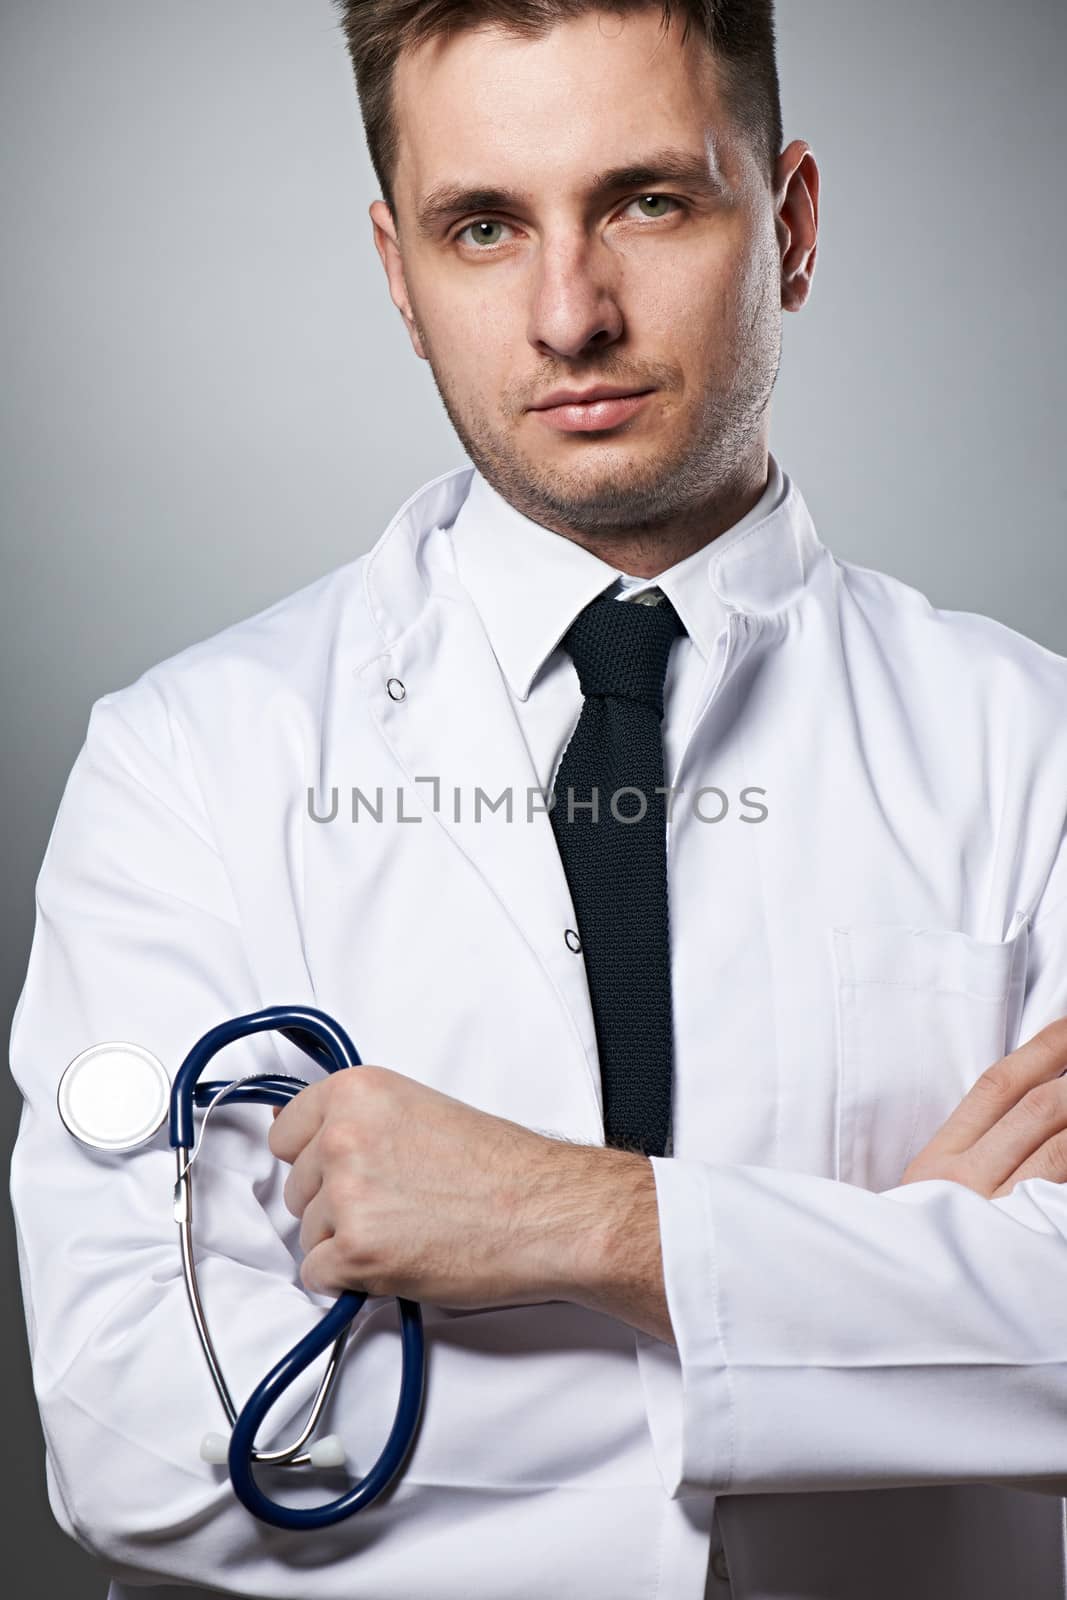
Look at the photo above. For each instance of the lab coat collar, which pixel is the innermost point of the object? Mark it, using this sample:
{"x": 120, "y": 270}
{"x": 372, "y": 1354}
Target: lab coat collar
{"x": 529, "y": 583}
{"x": 759, "y": 567}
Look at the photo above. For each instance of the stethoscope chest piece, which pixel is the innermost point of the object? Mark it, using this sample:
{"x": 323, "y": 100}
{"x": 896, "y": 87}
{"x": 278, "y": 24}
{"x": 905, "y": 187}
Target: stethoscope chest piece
{"x": 114, "y": 1096}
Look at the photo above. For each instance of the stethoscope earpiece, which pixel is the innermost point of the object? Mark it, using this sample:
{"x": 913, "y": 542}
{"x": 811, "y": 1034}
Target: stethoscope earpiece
{"x": 329, "y": 1451}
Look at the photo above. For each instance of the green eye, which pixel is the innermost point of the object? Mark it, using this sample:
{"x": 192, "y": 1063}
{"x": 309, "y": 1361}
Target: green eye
{"x": 480, "y": 232}
{"x": 473, "y": 227}
{"x": 656, "y": 199}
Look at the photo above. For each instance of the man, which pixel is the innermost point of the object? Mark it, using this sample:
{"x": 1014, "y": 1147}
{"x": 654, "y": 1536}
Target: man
{"x": 736, "y": 1224}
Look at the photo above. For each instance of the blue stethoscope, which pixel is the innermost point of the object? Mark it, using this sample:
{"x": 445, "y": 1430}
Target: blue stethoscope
{"x": 116, "y": 1097}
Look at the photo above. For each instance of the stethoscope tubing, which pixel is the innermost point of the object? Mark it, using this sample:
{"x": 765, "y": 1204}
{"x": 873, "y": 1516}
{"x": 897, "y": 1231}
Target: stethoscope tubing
{"x": 266, "y": 1393}
{"x": 327, "y": 1043}
{"x": 317, "y": 1034}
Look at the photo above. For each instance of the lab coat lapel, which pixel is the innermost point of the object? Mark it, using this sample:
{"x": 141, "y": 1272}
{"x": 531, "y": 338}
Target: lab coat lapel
{"x": 452, "y": 730}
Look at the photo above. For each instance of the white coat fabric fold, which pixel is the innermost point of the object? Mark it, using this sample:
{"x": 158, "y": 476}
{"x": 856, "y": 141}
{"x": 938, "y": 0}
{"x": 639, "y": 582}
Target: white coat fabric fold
{"x": 869, "y": 1391}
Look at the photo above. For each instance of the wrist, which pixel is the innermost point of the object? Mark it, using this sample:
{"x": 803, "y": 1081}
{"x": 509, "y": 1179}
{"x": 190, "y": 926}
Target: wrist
{"x": 606, "y": 1252}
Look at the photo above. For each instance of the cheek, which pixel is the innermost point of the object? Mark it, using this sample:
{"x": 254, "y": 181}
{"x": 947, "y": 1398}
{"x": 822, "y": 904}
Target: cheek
{"x": 692, "y": 322}
{"x": 760, "y": 279}
{"x": 469, "y": 337}
{"x": 697, "y": 303}
{"x": 729, "y": 316}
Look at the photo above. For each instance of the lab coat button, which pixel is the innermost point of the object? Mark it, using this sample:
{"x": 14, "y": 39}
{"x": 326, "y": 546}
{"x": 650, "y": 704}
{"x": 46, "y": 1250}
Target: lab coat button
{"x": 396, "y": 689}
{"x": 573, "y": 941}
{"x": 719, "y": 1567}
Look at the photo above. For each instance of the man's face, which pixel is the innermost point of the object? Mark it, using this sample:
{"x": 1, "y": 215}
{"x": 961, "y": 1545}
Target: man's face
{"x": 672, "y": 286}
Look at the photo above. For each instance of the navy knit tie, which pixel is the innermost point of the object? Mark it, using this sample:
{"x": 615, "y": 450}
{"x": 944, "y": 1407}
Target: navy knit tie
{"x": 610, "y": 826}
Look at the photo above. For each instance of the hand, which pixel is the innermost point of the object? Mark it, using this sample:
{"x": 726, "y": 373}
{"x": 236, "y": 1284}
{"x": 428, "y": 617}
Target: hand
{"x": 403, "y": 1190}
{"x": 1010, "y": 1125}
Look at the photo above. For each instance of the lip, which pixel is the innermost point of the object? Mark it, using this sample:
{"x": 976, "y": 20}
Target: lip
{"x": 581, "y": 397}
{"x": 598, "y": 409}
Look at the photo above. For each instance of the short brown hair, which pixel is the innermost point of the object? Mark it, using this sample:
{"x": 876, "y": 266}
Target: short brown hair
{"x": 740, "y": 34}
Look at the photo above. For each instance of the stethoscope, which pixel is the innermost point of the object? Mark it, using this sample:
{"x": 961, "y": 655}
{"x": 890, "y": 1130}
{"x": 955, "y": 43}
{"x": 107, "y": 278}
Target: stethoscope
{"x": 115, "y": 1097}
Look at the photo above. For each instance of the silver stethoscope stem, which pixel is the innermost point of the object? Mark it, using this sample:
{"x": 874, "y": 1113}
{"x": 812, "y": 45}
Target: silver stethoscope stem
{"x": 183, "y": 1214}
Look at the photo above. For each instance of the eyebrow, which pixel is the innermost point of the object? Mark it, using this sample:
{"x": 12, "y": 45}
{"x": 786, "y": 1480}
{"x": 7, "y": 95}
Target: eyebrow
{"x": 448, "y": 200}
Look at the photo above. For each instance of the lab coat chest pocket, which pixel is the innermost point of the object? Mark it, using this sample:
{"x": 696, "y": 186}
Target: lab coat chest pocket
{"x": 921, "y": 1012}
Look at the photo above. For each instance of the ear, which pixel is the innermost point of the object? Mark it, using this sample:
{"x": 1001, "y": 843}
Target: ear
{"x": 388, "y": 247}
{"x": 797, "y": 221}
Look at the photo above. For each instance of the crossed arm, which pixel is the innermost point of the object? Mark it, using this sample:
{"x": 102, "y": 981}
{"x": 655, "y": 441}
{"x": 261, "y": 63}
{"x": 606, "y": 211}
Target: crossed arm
{"x": 402, "y": 1190}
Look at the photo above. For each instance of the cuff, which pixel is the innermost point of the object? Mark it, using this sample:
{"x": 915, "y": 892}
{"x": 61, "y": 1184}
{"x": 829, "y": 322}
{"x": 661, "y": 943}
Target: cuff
{"x": 688, "y": 1394}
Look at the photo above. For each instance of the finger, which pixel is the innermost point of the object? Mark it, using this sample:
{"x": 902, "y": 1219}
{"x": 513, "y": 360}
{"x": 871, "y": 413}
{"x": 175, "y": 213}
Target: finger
{"x": 1000, "y": 1086}
{"x": 298, "y": 1122}
{"x": 1018, "y": 1138}
{"x": 304, "y": 1180}
{"x": 320, "y": 1270}
{"x": 316, "y": 1224}
{"x": 1049, "y": 1162}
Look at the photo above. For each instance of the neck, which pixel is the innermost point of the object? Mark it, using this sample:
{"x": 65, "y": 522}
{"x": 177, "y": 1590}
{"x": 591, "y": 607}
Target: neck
{"x": 648, "y": 549}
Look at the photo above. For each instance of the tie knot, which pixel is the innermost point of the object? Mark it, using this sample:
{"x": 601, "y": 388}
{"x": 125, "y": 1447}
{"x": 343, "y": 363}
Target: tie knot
{"x": 621, "y": 648}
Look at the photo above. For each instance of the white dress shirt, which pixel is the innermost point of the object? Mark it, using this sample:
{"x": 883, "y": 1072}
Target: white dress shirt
{"x": 868, "y": 892}
{"x": 528, "y": 585}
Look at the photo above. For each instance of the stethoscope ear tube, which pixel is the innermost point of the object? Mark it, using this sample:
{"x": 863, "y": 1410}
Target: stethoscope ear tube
{"x": 317, "y": 1034}
{"x": 263, "y": 1397}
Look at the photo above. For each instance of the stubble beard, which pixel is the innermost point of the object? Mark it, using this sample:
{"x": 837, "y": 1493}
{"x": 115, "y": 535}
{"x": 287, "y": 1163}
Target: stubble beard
{"x": 696, "y": 469}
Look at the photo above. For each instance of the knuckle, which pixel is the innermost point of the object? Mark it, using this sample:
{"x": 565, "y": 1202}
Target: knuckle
{"x": 1051, "y": 1159}
{"x": 335, "y": 1139}
{"x": 309, "y": 1278}
{"x": 346, "y": 1235}
{"x": 345, "y": 1192}
{"x": 366, "y": 1084}
{"x": 1045, "y": 1102}
{"x": 352, "y": 1247}
{"x": 997, "y": 1083}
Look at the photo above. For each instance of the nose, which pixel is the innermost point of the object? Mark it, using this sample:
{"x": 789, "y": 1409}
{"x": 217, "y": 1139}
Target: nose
{"x": 574, "y": 299}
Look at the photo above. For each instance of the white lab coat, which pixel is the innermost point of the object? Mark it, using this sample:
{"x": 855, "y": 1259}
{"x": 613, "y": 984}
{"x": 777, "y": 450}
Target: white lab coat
{"x": 862, "y": 1369}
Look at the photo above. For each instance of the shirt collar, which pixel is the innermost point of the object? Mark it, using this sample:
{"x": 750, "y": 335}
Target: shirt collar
{"x": 528, "y": 583}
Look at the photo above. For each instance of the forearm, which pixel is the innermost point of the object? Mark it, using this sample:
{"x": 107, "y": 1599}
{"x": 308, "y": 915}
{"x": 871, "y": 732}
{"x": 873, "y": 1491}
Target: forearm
{"x": 608, "y": 1237}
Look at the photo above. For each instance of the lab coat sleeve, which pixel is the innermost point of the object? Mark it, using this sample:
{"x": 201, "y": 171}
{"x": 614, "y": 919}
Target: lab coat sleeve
{"x": 137, "y": 938}
{"x": 830, "y": 1337}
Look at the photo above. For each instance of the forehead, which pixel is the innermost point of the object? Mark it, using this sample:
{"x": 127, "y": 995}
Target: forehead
{"x": 486, "y": 104}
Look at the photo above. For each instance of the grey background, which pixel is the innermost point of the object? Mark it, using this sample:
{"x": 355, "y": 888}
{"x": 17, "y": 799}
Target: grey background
{"x": 209, "y": 400}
